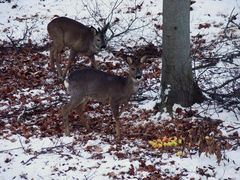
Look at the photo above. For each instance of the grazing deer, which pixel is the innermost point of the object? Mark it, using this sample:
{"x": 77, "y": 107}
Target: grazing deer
{"x": 81, "y": 39}
{"x": 89, "y": 83}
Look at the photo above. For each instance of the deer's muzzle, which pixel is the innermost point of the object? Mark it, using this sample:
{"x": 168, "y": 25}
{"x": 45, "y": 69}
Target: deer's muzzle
{"x": 138, "y": 74}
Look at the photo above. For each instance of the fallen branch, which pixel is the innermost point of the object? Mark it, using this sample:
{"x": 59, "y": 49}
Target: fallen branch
{"x": 224, "y": 84}
{"x": 32, "y": 110}
{"x": 44, "y": 151}
{"x": 12, "y": 149}
{"x": 214, "y": 95}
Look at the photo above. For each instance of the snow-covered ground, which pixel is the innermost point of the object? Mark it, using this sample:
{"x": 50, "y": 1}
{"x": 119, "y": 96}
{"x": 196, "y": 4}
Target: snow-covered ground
{"x": 80, "y": 156}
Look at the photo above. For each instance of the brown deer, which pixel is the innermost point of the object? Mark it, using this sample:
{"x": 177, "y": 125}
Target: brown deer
{"x": 89, "y": 83}
{"x": 79, "y": 38}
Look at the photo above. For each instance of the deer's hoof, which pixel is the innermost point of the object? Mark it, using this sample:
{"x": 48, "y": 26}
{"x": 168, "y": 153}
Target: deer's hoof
{"x": 67, "y": 132}
{"x": 88, "y": 128}
{"x": 118, "y": 139}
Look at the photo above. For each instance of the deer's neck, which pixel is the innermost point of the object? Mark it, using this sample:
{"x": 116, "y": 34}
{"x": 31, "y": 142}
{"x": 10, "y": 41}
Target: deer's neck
{"x": 133, "y": 84}
{"x": 95, "y": 49}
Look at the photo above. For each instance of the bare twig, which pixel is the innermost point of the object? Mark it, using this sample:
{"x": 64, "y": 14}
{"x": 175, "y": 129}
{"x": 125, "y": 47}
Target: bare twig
{"x": 229, "y": 20}
{"x": 26, "y": 33}
{"x": 114, "y": 7}
{"x": 21, "y": 143}
{"x": 95, "y": 13}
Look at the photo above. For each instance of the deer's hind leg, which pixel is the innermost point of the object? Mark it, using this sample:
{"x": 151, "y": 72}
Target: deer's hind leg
{"x": 56, "y": 49}
{"x": 57, "y": 55}
{"x": 66, "y": 110}
{"x": 80, "y": 110}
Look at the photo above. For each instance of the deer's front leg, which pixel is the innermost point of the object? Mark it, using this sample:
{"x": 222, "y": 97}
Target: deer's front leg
{"x": 58, "y": 61}
{"x": 93, "y": 62}
{"x": 115, "y": 112}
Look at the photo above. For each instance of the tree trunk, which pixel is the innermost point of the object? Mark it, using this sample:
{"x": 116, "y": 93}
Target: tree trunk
{"x": 177, "y": 77}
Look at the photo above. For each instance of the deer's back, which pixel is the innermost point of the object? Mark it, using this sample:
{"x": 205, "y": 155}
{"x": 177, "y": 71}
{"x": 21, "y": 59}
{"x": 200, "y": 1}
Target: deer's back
{"x": 89, "y": 82}
{"x": 74, "y": 34}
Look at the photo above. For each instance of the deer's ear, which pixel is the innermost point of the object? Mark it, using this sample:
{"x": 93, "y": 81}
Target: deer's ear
{"x": 143, "y": 59}
{"x": 94, "y": 30}
{"x": 129, "y": 60}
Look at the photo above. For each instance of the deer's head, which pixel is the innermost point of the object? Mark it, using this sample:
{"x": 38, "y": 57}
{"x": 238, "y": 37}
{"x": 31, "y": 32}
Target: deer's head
{"x": 135, "y": 67}
{"x": 100, "y": 40}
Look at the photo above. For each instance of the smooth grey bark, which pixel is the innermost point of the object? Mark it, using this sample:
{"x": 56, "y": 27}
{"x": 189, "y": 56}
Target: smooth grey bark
{"x": 177, "y": 74}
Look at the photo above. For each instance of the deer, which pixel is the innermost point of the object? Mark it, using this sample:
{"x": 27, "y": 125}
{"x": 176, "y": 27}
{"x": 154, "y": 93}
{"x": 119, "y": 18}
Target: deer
{"x": 80, "y": 39}
{"x": 87, "y": 84}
